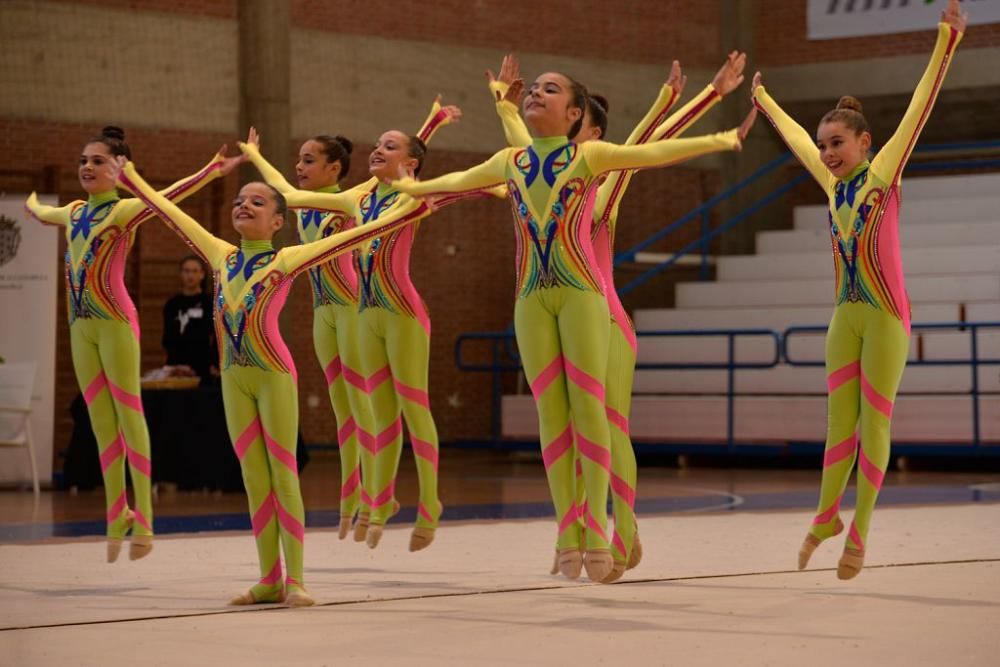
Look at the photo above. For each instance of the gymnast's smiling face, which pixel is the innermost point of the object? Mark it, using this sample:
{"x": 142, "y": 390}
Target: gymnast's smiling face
{"x": 391, "y": 159}
{"x": 549, "y": 107}
{"x": 258, "y": 212}
{"x": 97, "y": 169}
{"x": 841, "y": 148}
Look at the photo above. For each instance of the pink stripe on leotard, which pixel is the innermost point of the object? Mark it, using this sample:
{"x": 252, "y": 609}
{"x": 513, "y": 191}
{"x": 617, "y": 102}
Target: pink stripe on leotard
{"x": 425, "y": 450}
{"x": 246, "y": 438}
{"x": 112, "y": 452}
{"x": 272, "y": 332}
{"x": 591, "y": 450}
{"x": 843, "y": 375}
{"x": 260, "y": 518}
{"x": 546, "y": 377}
{"x": 555, "y": 449}
{"x": 840, "y": 451}
{"x": 587, "y": 382}
{"x": 877, "y": 400}
{"x": 333, "y": 370}
{"x": 351, "y": 484}
{"x": 346, "y": 431}
{"x": 871, "y": 471}
{"x": 94, "y": 388}
{"x": 280, "y": 453}
{"x": 413, "y": 394}
{"x": 116, "y": 282}
{"x": 399, "y": 264}
{"x": 291, "y": 525}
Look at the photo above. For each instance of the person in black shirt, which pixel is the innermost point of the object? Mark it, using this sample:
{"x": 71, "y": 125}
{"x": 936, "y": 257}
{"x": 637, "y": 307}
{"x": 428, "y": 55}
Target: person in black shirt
{"x": 188, "y": 334}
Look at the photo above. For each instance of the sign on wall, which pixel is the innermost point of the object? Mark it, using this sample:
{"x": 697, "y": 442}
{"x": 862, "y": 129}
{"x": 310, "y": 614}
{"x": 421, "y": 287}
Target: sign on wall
{"x": 829, "y": 19}
{"x": 29, "y": 275}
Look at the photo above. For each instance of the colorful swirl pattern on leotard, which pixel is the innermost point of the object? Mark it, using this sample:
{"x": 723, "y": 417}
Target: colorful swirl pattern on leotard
{"x": 864, "y": 206}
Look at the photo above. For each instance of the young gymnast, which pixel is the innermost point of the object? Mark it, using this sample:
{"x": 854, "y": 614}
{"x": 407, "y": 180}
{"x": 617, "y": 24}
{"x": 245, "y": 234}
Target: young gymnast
{"x": 258, "y": 376}
{"x": 323, "y": 163}
{"x": 626, "y": 547}
{"x": 394, "y": 328}
{"x": 561, "y": 315}
{"x": 868, "y": 339}
{"x": 104, "y": 325}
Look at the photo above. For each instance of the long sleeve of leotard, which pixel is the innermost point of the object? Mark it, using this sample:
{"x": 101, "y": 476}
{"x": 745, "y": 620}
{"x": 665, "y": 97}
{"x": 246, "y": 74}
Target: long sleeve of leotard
{"x": 653, "y": 127}
{"x": 679, "y": 121}
{"x": 48, "y": 215}
{"x": 484, "y": 176}
{"x": 268, "y": 172}
{"x": 890, "y": 161}
{"x": 603, "y": 157}
{"x": 436, "y": 119}
{"x": 212, "y": 249}
{"x": 132, "y": 212}
{"x": 497, "y": 192}
{"x": 664, "y": 101}
{"x": 342, "y": 202}
{"x": 300, "y": 257}
{"x": 802, "y": 145}
{"x": 514, "y": 130}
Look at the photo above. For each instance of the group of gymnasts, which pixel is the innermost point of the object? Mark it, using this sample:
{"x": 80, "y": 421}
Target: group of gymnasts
{"x": 372, "y": 331}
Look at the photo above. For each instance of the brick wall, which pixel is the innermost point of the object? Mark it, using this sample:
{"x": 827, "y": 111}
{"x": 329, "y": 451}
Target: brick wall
{"x": 620, "y": 32}
{"x": 781, "y": 39}
{"x": 637, "y": 31}
{"x": 470, "y": 290}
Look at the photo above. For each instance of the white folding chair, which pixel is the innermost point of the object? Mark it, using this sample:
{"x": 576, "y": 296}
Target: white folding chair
{"x": 16, "y": 383}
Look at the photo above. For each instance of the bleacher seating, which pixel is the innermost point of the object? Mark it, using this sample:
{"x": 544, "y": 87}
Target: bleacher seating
{"x": 950, "y": 237}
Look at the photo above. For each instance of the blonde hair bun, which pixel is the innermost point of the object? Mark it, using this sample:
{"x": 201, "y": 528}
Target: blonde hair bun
{"x": 849, "y": 102}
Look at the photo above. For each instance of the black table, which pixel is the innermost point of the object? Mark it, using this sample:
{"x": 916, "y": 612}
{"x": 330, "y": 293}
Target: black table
{"x": 188, "y": 436}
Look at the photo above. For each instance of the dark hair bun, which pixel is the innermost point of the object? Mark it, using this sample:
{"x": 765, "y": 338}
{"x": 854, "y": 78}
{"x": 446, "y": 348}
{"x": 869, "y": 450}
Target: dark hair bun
{"x": 345, "y": 142}
{"x": 113, "y": 132}
{"x": 849, "y": 102}
{"x": 601, "y": 100}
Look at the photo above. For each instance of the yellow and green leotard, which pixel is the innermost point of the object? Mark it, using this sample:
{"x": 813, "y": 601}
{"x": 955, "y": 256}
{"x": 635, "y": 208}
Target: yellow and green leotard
{"x": 104, "y": 335}
{"x": 258, "y": 376}
{"x": 336, "y": 328}
{"x": 868, "y": 339}
{"x": 561, "y": 316}
{"x": 655, "y": 125}
{"x": 335, "y": 333}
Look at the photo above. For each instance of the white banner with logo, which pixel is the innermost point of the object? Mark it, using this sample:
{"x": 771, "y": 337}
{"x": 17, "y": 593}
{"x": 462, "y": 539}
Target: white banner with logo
{"x": 829, "y": 19}
{"x": 29, "y": 275}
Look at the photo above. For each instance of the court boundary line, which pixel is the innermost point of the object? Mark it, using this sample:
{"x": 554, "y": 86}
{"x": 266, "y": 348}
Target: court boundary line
{"x": 274, "y": 607}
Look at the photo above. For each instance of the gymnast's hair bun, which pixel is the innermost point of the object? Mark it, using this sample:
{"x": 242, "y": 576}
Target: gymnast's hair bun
{"x": 601, "y": 100}
{"x": 113, "y": 132}
{"x": 345, "y": 142}
{"x": 849, "y": 102}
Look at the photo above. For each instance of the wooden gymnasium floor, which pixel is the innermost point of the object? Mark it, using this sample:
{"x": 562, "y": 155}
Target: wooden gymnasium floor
{"x": 717, "y": 583}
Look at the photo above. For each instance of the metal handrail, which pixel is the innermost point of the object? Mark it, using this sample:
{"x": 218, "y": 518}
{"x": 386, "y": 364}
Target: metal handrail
{"x": 731, "y": 365}
{"x": 974, "y": 361}
{"x": 781, "y": 355}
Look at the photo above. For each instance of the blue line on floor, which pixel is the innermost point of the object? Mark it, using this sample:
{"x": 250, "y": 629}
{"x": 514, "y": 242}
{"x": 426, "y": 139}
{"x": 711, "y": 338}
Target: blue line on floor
{"x": 804, "y": 500}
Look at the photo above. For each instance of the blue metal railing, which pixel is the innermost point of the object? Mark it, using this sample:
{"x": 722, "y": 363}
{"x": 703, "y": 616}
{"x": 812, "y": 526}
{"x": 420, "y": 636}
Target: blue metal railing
{"x": 704, "y": 211}
{"x": 973, "y": 362}
{"x": 502, "y": 342}
{"x": 500, "y": 364}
